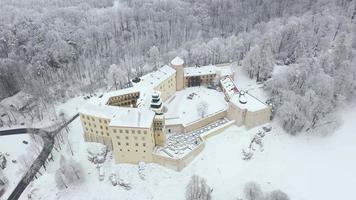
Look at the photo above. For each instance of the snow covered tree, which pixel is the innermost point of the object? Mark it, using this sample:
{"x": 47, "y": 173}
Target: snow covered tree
{"x": 252, "y": 191}
{"x": 197, "y": 189}
{"x": 70, "y": 172}
{"x": 202, "y": 108}
{"x": 277, "y": 195}
{"x": 154, "y": 56}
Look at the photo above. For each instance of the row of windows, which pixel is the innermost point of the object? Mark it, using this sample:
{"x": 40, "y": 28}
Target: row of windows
{"x": 128, "y": 150}
{"x": 93, "y": 119}
{"x": 97, "y": 132}
{"x": 158, "y": 123}
{"x": 127, "y": 137}
{"x": 126, "y": 96}
{"x": 128, "y": 144}
{"x": 132, "y": 131}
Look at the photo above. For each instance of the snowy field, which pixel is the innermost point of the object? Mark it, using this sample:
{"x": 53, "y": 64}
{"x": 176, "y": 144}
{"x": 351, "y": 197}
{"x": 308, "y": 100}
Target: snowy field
{"x": 183, "y": 110}
{"x": 13, "y": 146}
{"x": 305, "y": 167}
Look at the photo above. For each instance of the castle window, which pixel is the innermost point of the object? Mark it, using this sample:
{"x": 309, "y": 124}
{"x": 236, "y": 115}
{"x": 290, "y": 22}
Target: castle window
{"x": 107, "y": 134}
{"x": 136, "y": 144}
{"x": 144, "y": 132}
{"x": 139, "y": 131}
{"x": 144, "y": 144}
{"x": 120, "y": 131}
{"x": 114, "y": 130}
{"x": 135, "y": 137}
{"x": 85, "y": 123}
{"x": 99, "y": 120}
{"x": 119, "y": 143}
{"x": 133, "y": 131}
{"x": 120, "y": 149}
{"x": 93, "y": 119}
{"x": 144, "y": 151}
{"x": 101, "y": 127}
{"x": 126, "y": 131}
{"x": 126, "y": 137}
{"x": 118, "y": 137}
{"x": 127, "y": 144}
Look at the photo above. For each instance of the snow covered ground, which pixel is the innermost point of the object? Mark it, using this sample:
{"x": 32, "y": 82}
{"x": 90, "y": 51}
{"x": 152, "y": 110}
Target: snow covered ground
{"x": 305, "y": 167}
{"x": 243, "y": 82}
{"x": 13, "y": 146}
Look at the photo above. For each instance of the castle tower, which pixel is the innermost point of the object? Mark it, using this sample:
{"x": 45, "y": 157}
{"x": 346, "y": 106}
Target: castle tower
{"x": 158, "y": 121}
{"x": 177, "y": 63}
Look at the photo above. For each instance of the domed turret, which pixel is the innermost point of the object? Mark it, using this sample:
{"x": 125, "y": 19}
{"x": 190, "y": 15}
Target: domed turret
{"x": 242, "y": 98}
{"x": 177, "y": 63}
{"x": 156, "y": 103}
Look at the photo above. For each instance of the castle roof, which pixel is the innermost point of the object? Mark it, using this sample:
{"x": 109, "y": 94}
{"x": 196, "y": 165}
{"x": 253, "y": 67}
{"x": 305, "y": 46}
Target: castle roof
{"x": 177, "y": 61}
{"x": 199, "y": 71}
{"x": 121, "y": 116}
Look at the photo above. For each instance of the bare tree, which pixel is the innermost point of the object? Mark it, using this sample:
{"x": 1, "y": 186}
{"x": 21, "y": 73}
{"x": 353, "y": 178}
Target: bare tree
{"x": 197, "y": 189}
{"x": 70, "y": 172}
{"x": 277, "y": 195}
{"x": 202, "y": 108}
{"x": 252, "y": 191}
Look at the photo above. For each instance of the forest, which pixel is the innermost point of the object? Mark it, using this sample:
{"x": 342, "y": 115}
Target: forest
{"x": 55, "y": 50}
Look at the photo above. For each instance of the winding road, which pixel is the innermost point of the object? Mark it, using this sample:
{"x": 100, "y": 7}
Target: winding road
{"x": 48, "y": 137}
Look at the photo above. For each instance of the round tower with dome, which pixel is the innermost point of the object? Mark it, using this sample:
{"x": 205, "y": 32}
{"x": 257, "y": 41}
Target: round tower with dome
{"x": 177, "y": 63}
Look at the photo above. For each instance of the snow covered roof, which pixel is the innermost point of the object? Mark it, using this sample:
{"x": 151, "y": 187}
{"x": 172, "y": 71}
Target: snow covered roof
{"x": 249, "y": 102}
{"x": 133, "y": 117}
{"x": 199, "y": 71}
{"x": 155, "y": 78}
{"x": 229, "y": 87}
{"x": 121, "y": 116}
{"x": 102, "y": 111}
{"x": 177, "y": 61}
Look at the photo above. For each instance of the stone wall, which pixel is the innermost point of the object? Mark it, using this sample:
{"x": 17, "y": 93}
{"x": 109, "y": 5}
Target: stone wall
{"x": 178, "y": 163}
{"x": 205, "y": 121}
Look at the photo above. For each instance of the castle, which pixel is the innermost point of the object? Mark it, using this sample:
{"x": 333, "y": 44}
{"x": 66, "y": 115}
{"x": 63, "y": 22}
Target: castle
{"x": 131, "y": 122}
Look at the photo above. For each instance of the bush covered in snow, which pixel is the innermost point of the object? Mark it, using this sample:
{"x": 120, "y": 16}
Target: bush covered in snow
{"x": 276, "y": 195}
{"x": 3, "y": 161}
{"x": 253, "y": 191}
{"x": 197, "y": 189}
{"x": 3, "y": 183}
{"x": 96, "y": 152}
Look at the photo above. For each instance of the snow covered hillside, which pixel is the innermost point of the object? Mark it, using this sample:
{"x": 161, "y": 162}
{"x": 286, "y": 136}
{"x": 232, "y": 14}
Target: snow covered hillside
{"x": 305, "y": 167}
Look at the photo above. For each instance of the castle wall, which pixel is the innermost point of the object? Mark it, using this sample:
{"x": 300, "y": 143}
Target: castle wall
{"x": 132, "y": 145}
{"x": 96, "y": 129}
{"x": 167, "y": 87}
{"x": 205, "y": 121}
